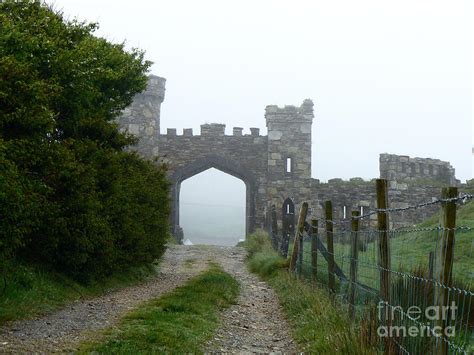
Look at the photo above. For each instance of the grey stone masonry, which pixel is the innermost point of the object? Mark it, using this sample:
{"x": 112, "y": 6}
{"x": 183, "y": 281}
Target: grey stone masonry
{"x": 142, "y": 117}
{"x": 405, "y": 169}
{"x": 289, "y": 153}
{"x": 259, "y": 161}
{"x": 276, "y": 166}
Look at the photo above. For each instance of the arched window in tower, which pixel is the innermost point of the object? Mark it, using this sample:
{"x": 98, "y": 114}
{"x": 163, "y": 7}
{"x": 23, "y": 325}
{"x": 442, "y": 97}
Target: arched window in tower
{"x": 288, "y": 206}
{"x": 288, "y": 215}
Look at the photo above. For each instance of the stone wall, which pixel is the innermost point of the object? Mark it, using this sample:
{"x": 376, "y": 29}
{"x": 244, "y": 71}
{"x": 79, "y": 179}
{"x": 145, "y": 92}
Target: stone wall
{"x": 358, "y": 194}
{"x": 402, "y": 168}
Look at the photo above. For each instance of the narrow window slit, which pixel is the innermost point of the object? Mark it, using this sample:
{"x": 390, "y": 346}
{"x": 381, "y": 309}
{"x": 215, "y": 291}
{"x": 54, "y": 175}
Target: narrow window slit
{"x": 288, "y": 165}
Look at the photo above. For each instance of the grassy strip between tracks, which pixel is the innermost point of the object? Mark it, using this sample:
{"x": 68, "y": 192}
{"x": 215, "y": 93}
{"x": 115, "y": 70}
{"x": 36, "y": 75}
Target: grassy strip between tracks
{"x": 178, "y": 322}
{"x": 317, "y": 325}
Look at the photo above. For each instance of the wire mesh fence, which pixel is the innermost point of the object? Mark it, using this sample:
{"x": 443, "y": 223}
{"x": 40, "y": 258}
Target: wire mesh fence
{"x": 409, "y": 290}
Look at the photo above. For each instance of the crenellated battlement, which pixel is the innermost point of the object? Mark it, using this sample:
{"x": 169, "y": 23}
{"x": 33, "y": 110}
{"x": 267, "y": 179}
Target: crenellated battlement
{"x": 303, "y": 113}
{"x": 406, "y": 169}
{"x": 213, "y": 130}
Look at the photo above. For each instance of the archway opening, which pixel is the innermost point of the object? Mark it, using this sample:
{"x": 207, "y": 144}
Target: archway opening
{"x": 212, "y": 208}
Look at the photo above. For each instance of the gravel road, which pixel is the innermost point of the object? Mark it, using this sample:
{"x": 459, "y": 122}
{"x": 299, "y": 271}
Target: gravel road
{"x": 254, "y": 324}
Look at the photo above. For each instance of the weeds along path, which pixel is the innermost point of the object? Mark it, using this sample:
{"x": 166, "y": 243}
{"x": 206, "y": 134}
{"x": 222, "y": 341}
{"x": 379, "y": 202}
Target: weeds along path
{"x": 60, "y": 331}
{"x": 256, "y": 323}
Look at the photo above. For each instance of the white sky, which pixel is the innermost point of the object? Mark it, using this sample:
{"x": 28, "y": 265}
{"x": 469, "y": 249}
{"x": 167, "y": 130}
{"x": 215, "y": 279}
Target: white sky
{"x": 385, "y": 76}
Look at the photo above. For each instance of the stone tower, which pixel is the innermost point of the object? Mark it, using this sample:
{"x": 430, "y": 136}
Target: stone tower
{"x": 142, "y": 117}
{"x": 289, "y": 153}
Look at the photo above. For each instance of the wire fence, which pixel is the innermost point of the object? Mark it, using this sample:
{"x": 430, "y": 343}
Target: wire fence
{"x": 409, "y": 290}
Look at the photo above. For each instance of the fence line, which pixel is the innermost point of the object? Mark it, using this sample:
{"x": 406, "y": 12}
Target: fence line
{"x": 399, "y": 281}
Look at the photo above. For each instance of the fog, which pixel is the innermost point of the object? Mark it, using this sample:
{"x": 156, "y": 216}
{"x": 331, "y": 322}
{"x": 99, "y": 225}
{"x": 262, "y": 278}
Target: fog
{"x": 392, "y": 77}
{"x": 212, "y": 208}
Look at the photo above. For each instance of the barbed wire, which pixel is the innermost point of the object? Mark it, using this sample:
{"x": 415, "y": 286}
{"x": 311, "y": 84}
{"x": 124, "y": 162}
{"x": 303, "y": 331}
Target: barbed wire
{"x": 461, "y": 197}
{"x": 398, "y": 231}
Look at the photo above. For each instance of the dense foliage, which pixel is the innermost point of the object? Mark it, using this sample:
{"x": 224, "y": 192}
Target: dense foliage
{"x": 70, "y": 195}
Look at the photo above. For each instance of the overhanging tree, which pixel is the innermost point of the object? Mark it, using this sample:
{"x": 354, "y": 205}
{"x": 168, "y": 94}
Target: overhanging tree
{"x": 61, "y": 153}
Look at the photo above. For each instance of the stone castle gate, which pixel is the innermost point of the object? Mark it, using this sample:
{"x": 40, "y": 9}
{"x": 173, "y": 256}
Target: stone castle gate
{"x": 274, "y": 167}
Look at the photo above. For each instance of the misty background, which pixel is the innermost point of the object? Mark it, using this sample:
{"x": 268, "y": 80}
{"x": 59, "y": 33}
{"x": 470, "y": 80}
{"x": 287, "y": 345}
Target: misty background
{"x": 392, "y": 77}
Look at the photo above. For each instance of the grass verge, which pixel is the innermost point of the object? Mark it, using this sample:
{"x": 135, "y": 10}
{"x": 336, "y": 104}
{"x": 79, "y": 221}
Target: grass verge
{"x": 27, "y": 291}
{"x": 179, "y": 322}
{"x": 317, "y": 325}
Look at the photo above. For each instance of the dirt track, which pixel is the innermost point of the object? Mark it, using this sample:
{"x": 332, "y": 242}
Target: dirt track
{"x": 255, "y": 324}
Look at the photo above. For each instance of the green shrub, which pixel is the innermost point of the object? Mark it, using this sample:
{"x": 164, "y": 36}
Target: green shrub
{"x": 257, "y": 242}
{"x": 71, "y": 196}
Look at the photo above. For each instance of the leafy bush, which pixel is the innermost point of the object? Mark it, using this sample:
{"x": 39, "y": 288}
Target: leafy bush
{"x": 71, "y": 197}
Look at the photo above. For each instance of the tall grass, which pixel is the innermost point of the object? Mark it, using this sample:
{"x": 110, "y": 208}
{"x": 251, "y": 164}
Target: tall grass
{"x": 317, "y": 324}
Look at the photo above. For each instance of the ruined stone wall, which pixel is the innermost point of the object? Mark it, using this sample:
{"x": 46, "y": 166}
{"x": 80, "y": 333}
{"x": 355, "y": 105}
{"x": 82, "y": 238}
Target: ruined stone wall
{"x": 407, "y": 187}
{"x": 402, "y": 168}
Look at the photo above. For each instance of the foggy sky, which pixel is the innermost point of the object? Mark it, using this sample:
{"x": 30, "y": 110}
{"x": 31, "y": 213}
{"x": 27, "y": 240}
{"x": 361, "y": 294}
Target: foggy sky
{"x": 391, "y": 77}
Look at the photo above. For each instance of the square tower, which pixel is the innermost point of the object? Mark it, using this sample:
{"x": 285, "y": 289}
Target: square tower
{"x": 289, "y": 152}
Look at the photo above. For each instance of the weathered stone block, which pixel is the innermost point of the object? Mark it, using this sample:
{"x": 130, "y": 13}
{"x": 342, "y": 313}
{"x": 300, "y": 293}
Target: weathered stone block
{"x": 305, "y": 127}
{"x": 134, "y": 129}
{"x": 275, "y": 135}
{"x": 254, "y": 131}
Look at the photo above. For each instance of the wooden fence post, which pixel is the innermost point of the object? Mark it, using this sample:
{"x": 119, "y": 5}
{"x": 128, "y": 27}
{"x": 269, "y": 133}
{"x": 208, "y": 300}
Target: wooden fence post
{"x": 383, "y": 226}
{"x": 300, "y": 256}
{"x": 274, "y": 226}
{"x": 330, "y": 245}
{"x": 430, "y": 265}
{"x": 444, "y": 264}
{"x": 314, "y": 251}
{"x": 353, "y": 265}
{"x": 298, "y": 235}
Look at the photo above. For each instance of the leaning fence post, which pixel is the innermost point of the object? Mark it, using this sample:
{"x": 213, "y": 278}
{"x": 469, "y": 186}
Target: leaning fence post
{"x": 274, "y": 225}
{"x": 353, "y": 266}
{"x": 330, "y": 245}
{"x": 444, "y": 264}
{"x": 298, "y": 235}
{"x": 314, "y": 250}
{"x": 384, "y": 249}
